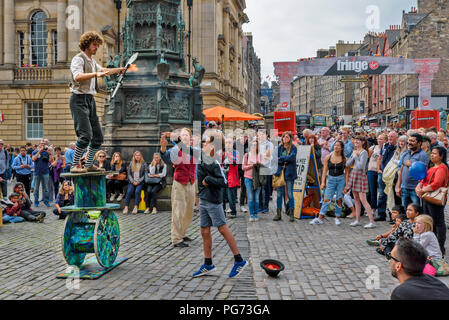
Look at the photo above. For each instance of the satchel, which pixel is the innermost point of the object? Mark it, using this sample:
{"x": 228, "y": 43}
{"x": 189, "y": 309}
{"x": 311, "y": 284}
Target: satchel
{"x": 279, "y": 181}
{"x": 441, "y": 266}
{"x": 437, "y": 197}
{"x": 153, "y": 180}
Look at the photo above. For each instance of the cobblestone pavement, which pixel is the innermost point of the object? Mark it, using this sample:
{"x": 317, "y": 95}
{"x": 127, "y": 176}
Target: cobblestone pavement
{"x": 322, "y": 262}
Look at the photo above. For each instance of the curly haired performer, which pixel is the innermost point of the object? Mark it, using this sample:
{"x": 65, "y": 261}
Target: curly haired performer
{"x": 85, "y": 71}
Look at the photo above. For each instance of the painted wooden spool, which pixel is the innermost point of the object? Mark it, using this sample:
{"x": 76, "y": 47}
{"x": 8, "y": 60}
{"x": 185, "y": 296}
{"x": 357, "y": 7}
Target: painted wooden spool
{"x": 89, "y": 233}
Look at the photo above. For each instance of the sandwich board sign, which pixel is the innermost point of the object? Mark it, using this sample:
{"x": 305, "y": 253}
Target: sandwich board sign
{"x": 304, "y": 159}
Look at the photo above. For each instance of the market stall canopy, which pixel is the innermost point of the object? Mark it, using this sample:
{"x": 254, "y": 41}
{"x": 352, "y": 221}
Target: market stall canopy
{"x": 223, "y": 114}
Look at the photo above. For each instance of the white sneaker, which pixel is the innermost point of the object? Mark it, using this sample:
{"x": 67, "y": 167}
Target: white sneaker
{"x": 251, "y": 219}
{"x": 125, "y": 211}
{"x": 337, "y": 221}
{"x": 243, "y": 209}
{"x": 154, "y": 211}
{"x": 120, "y": 197}
{"x": 228, "y": 210}
{"x": 316, "y": 221}
{"x": 112, "y": 198}
{"x": 355, "y": 224}
{"x": 135, "y": 210}
{"x": 370, "y": 225}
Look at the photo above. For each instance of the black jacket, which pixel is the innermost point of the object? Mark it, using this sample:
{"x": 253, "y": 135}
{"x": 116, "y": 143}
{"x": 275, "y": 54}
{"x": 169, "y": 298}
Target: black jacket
{"x": 214, "y": 177}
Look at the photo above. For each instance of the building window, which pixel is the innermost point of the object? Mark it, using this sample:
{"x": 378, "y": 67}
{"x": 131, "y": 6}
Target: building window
{"x": 21, "y": 48}
{"x": 39, "y": 39}
{"x": 55, "y": 47}
{"x": 34, "y": 111}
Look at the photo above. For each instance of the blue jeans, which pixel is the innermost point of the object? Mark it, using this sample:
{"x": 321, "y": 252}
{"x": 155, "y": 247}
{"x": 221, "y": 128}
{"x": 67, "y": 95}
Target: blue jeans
{"x": 409, "y": 196}
{"x": 230, "y": 195}
{"x": 9, "y": 219}
{"x": 372, "y": 183}
{"x": 382, "y": 199}
{"x": 281, "y": 193}
{"x": 133, "y": 190}
{"x": 43, "y": 179}
{"x": 335, "y": 186}
{"x": 253, "y": 198}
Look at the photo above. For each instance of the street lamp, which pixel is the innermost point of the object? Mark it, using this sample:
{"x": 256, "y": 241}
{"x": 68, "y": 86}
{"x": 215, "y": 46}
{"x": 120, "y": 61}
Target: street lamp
{"x": 118, "y": 5}
{"x": 190, "y": 4}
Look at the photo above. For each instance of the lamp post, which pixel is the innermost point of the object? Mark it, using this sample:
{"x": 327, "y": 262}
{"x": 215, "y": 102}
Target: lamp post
{"x": 190, "y": 4}
{"x": 118, "y": 5}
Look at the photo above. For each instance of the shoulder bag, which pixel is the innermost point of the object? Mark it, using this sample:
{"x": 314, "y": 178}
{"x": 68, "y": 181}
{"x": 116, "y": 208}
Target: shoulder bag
{"x": 439, "y": 196}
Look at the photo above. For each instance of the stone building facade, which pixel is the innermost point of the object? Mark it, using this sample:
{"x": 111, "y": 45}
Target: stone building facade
{"x": 251, "y": 75}
{"x": 38, "y": 39}
{"x": 424, "y": 34}
{"x": 37, "y": 48}
{"x": 217, "y": 41}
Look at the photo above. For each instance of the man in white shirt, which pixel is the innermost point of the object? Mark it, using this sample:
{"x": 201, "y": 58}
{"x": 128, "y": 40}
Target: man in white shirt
{"x": 85, "y": 71}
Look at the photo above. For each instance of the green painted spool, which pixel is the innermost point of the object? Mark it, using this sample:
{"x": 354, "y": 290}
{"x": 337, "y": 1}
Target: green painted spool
{"x": 99, "y": 235}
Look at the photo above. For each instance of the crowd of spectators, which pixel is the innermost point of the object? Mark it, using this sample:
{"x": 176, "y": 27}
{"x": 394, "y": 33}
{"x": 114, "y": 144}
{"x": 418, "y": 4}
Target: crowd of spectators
{"x": 362, "y": 171}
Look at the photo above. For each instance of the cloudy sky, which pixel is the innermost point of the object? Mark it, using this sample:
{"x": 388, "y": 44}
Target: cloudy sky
{"x": 286, "y": 30}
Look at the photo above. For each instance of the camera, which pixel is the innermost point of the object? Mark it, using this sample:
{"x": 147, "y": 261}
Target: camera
{"x": 45, "y": 148}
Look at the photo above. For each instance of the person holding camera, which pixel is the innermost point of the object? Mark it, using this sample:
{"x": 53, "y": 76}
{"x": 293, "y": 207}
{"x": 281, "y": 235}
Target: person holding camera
{"x": 42, "y": 160}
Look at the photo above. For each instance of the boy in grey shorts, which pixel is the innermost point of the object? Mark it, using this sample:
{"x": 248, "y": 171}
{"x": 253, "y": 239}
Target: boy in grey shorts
{"x": 211, "y": 180}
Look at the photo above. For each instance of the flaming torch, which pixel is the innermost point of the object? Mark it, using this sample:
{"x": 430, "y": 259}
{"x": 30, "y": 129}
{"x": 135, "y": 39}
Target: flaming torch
{"x": 129, "y": 66}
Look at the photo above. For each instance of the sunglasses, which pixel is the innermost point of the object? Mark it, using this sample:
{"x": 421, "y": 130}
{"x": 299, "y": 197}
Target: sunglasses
{"x": 101, "y": 156}
{"x": 389, "y": 257}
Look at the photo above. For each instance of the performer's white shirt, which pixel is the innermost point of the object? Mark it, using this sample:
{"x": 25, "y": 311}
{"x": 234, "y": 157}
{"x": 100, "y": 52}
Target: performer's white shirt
{"x": 77, "y": 68}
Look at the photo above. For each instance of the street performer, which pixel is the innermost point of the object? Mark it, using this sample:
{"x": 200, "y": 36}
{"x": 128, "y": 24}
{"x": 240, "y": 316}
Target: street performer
{"x": 84, "y": 85}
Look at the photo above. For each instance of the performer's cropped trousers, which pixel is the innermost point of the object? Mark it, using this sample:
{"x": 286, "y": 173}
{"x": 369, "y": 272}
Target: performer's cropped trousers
{"x": 87, "y": 125}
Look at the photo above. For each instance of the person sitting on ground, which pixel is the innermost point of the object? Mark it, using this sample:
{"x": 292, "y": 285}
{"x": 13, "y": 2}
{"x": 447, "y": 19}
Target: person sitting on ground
{"x": 19, "y": 188}
{"x": 136, "y": 178}
{"x": 155, "y": 181}
{"x": 116, "y": 183}
{"x": 398, "y": 218}
{"x": 423, "y": 234}
{"x": 100, "y": 161}
{"x": 15, "y": 209}
{"x": 407, "y": 261}
{"x": 404, "y": 230}
{"x": 64, "y": 198}
{"x": 6, "y": 218}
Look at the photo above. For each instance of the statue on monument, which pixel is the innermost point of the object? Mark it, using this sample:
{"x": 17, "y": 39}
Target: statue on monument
{"x": 443, "y": 119}
{"x": 196, "y": 79}
{"x": 111, "y": 81}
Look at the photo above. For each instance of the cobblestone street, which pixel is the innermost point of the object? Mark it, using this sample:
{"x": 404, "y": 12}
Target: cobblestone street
{"x": 321, "y": 262}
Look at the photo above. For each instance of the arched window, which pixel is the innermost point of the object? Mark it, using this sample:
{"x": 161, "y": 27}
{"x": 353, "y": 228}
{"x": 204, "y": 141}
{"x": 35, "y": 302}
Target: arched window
{"x": 39, "y": 39}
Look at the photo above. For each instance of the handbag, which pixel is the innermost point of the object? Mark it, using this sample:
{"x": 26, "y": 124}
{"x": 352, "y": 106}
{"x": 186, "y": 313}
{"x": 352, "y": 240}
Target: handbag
{"x": 437, "y": 197}
{"x": 279, "y": 181}
{"x": 441, "y": 266}
{"x": 153, "y": 180}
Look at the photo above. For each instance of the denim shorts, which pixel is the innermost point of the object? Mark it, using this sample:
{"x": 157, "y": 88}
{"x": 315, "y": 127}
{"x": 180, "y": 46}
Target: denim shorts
{"x": 211, "y": 214}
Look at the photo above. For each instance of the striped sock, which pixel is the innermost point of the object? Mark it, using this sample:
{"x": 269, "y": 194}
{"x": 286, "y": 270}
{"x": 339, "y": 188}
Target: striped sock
{"x": 90, "y": 156}
{"x": 78, "y": 154}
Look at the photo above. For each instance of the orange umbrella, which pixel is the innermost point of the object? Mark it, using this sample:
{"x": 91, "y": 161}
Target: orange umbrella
{"x": 223, "y": 114}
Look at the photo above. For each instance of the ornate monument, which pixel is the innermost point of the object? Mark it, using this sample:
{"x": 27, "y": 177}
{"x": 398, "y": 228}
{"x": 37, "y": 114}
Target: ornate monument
{"x": 158, "y": 97}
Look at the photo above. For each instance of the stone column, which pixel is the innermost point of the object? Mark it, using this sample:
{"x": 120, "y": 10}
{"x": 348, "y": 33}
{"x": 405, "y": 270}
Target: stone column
{"x": 49, "y": 47}
{"x": 75, "y": 13}
{"x": 26, "y": 47}
{"x": 62, "y": 31}
{"x": 2, "y": 17}
{"x": 9, "y": 32}
{"x": 236, "y": 60}
{"x": 227, "y": 36}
